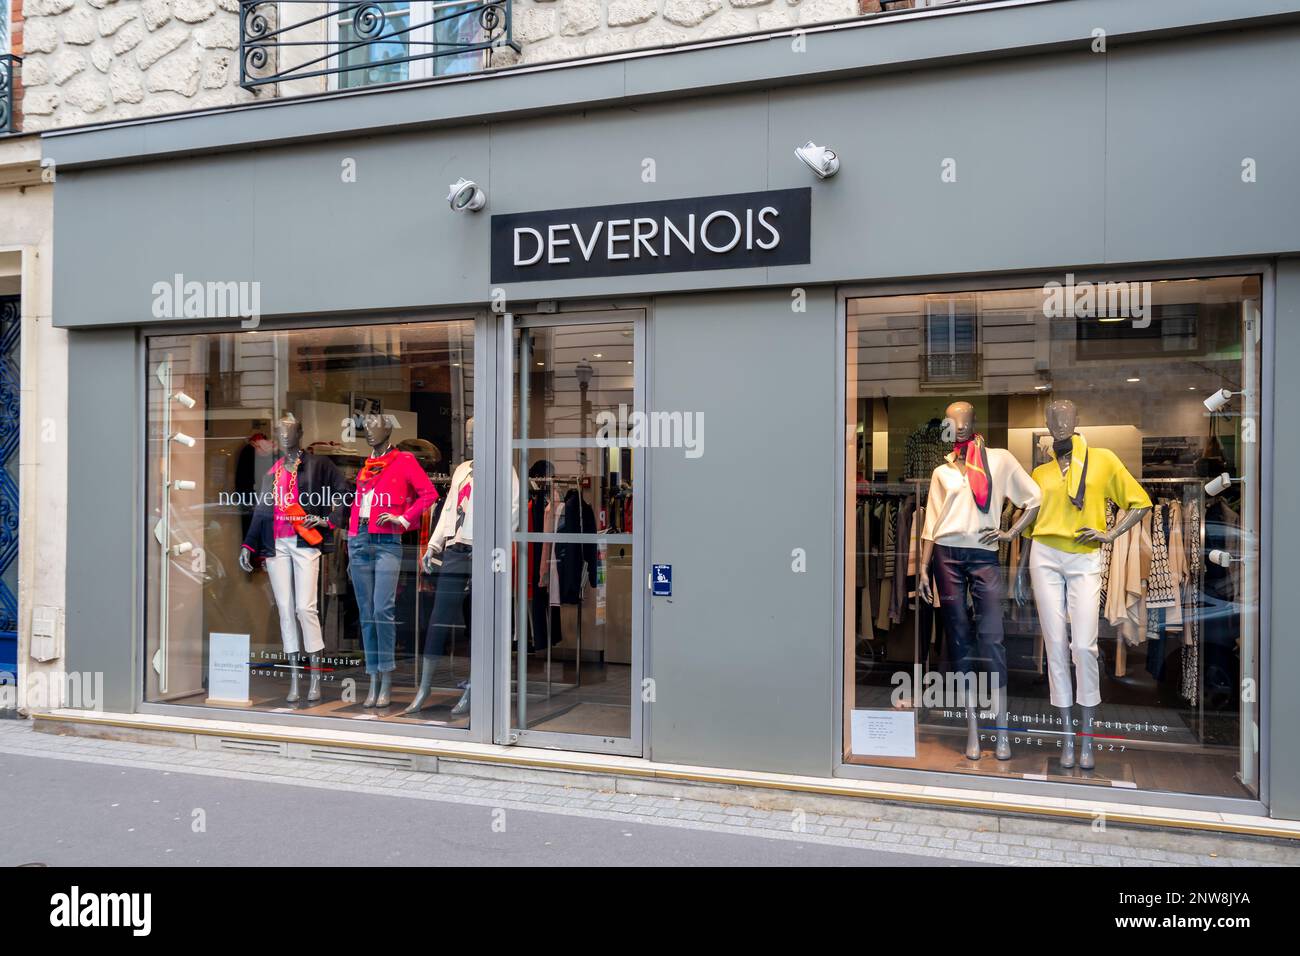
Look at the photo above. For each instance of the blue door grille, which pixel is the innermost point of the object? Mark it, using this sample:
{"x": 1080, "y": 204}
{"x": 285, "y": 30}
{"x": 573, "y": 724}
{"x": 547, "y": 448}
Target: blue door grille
{"x": 10, "y": 381}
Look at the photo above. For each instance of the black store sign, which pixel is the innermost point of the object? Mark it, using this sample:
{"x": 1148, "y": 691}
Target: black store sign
{"x": 739, "y": 231}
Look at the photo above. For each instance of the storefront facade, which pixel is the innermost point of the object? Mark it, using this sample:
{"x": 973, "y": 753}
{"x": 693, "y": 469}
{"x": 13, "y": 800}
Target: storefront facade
{"x": 667, "y": 407}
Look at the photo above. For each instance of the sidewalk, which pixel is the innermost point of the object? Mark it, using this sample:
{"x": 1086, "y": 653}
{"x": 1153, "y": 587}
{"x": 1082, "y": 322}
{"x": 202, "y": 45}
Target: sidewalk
{"x": 678, "y": 829}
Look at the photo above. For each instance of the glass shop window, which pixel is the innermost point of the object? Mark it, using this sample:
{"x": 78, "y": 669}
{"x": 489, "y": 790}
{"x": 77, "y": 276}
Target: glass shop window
{"x": 1052, "y": 566}
{"x": 310, "y": 521}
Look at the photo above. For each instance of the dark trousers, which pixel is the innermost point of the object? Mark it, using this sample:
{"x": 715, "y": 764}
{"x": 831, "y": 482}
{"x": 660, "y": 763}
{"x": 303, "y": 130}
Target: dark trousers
{"x": 545, "y": 620}
{"x": 450, "y": 616}
{"x": 974, "y": 645}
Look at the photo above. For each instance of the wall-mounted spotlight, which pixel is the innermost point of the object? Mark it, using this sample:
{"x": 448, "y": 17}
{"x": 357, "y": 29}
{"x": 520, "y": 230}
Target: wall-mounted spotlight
{"x": 1222, "y": 558}
{"x": 466, "y": 196}
{"x": 185, "y": 547}
{"x": 184, "y": 399}
{"x": 183, "y": 439}
{"x": 1219, "y": 484}
{"x": 1220, "y": 398}
{"x": 183, "y": 484}
{"x": 820, "y": 159}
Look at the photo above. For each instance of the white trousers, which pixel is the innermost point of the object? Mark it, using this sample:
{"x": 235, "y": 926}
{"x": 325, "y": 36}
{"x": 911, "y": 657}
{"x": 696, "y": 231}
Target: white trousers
{"x": 1067, "y": 590}
{"x": 295, "y": 575}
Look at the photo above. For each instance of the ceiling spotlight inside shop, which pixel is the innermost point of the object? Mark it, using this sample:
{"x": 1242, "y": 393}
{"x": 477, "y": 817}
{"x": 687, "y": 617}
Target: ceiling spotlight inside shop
{"x": 466, "y": 196}
{"x": 183, "y": 439}
{"x": 1219, "y": 484}
{"x": 1222, "y": 558}
{"x": 820, "y": 159}
{"x": 1133, "y": 378}
{"x": 184, "y": 399}
{"x": 1219, "y": 399}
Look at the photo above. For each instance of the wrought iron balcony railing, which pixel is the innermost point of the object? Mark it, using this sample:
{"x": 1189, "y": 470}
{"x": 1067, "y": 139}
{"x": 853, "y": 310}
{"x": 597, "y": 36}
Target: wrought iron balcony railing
{"x": 8, "y": 109}
{"x": 350, "y": 44}
{"x": 950, "y": 367}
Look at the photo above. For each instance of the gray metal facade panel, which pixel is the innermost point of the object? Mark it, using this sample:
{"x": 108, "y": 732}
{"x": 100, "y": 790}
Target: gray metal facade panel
{"x": 1018, "y": 169}
{"x": 104, "y": 526}
{"x": 191, "y": 218}
{"x": 1181, "y": 117}
{"x": 386, "y": 240}
{"x": 741, "y": 655}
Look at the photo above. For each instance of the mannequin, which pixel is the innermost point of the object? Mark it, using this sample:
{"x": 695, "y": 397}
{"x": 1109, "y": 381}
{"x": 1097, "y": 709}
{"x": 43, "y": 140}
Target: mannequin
{"x": 392, "y": 492}
{"x": 449, "y": 555}
{"x": 291, "y": 538}
{"x": 1063, "y": 561}
{"x": 959, "y": 546}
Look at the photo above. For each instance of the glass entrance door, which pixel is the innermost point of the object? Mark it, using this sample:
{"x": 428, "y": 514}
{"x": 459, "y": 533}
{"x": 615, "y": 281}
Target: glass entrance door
{"x": 569, "y": 643}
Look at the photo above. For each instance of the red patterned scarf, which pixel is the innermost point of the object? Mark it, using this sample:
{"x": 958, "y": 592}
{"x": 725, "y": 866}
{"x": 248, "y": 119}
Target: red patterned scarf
{"x": 374, "y": 466}
{"x": 977, "y": 469}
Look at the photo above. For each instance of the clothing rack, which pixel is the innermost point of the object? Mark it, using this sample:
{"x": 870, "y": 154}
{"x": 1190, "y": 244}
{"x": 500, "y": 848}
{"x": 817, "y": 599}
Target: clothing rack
{"x": 1192, "y": 612}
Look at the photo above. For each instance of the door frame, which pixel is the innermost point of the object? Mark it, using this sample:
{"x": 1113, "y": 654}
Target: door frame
{"x": 503, "y": 448}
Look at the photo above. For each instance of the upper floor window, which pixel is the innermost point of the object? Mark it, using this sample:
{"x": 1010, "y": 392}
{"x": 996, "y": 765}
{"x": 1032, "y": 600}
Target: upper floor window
{"x": 355, "y": 43}
{"x": 416, "y": 39}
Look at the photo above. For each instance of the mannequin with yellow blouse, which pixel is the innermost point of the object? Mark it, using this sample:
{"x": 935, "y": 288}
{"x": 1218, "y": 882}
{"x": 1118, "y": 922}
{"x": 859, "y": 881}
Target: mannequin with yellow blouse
{"x": 1063, "y": 561}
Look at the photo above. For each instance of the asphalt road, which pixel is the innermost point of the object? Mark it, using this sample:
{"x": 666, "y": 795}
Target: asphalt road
{"x": 68, "y": 813}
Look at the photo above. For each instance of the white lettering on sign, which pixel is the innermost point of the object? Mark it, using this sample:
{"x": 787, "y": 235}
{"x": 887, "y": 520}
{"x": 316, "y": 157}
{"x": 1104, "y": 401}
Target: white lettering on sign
{"x": 648, "y": 237}
{"x": 519, "y": 260}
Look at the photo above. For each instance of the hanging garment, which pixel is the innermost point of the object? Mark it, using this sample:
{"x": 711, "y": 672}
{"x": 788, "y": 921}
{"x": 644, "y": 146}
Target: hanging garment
{"x": 1155, "y": 643}
{"x": 578, "y": 518}
{"x": 914, "y": 542}
{"x": 1177, "y": 564}
{"x": 1107, "y": 549}
{"x": 1191, "y": 682}
{"x": 1125, "y": 606}
{"x": 890, "y": 529}
{"x": 886, "y": 591}
{"x": 924, "y": 450}
{"x": 1007, "y": 519}
{"x": 1160, "y": 583}
{"x": 902, "y": 538}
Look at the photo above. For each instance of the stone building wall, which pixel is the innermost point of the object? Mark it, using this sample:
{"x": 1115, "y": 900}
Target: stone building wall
{"x": 87, "y": 61}
{"x": 90, "y": 61}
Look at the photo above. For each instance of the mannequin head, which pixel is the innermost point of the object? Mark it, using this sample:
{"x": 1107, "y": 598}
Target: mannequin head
{"x": 962, "y": 416}
{"x": 469, "y": 437}
{"x": 1062, "y": 418}
{"x": 378, "y": 428}
{"x": 288, "y": 433}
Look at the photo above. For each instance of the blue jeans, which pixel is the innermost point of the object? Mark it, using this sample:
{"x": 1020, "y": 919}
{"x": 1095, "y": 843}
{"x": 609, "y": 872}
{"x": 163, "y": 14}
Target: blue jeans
{"x": 974, "y": 645}
{"x": 374, "y": 563}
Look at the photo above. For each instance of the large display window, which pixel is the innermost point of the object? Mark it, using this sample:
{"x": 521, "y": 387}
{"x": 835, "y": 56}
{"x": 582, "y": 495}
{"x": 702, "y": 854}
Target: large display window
{"x": 310, "y": 499}
{"x": 1052, "y": 533}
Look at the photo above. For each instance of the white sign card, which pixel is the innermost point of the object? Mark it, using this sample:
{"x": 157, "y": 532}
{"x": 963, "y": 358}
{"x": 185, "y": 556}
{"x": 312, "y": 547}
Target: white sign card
{"x": 228, "y": 668}
{"x": 883, "y": 733}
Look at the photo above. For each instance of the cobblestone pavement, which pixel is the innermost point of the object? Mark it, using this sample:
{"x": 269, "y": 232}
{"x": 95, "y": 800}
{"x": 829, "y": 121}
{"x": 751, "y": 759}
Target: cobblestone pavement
{"x": 937, "y": 835}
